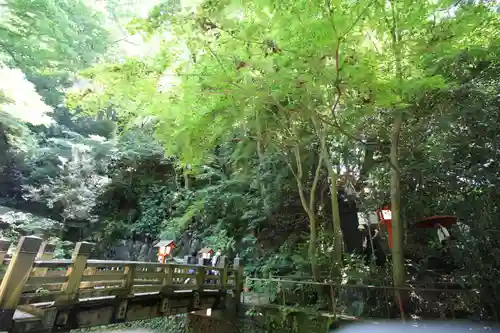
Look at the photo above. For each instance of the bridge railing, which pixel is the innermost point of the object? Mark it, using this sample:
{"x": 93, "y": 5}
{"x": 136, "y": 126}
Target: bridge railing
{"x": 33, "y": 280}
{"x": 367, "y": 300}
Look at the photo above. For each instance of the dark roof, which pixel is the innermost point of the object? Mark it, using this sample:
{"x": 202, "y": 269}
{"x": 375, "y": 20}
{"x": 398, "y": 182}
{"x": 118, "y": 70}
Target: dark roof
{"x": 164, "y": 243}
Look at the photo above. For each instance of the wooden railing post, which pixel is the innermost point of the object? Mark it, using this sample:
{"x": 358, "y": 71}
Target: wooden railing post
{"x": 128, "y": 284}
{"x": 129, "y": 279}
{"x": 15, "y": 278}
{"x": 46, "y": 252}
{"x": 223, "y": 273}
{"x": 4, "y": 248}
{"x": 168, "y": 281}
{"x": 167, "y": 289}
{"x": 200, "y": 274}
{"x": 238, "y": 279}
{"x": 75, "y": 273}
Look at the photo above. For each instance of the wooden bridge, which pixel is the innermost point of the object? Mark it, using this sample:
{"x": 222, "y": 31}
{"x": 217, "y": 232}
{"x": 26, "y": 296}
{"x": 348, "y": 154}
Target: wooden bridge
{"x": 40, "y": 294}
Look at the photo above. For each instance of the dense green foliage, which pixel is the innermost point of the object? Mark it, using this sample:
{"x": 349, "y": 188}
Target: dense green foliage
{"x": 238, "y": 128}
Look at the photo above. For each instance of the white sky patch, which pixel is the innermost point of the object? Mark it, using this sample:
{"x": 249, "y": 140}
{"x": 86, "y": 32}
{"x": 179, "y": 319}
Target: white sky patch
{"x": 128, "y": 45}
{"x": 24, "y": 102}
{"x": 171, "y": 78}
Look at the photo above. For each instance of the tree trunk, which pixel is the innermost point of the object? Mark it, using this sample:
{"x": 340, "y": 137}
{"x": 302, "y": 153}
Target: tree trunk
{"x": 309, "y": 208}
{"x": 336, "y": 224}
{"x": 260, "y": 155}
{"x": 398, "y": 270}
{"x": 311, "y": 252}
{"x": 337, "y": 229}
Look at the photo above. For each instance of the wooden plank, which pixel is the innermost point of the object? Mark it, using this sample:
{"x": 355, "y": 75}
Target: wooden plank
{"x": 50, "y": 287}
{"x": 184, "y": 287}
{"x": 106, "y": 272}
{"x": 31, "y": 298}
{"x": 184, "y": 276}
{"x": 87, "y": 285}
{"x": 153, "y": 269}
{"x": 146, "y": 288}
{"x": 147, "y": 282}
{"x": 52, "y": 263}
{"x": 15, "y": 278}
{"x": 91, "y": 293}
{"x": 40, "y": 280}
{"x": 148, "y": 275}
{"x": 119, "y": 263}
{"x": 102, "y": 277}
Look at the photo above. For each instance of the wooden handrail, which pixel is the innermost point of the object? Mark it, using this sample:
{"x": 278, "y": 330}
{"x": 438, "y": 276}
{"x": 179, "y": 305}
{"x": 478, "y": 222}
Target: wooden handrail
{"x": 34, "y": 279}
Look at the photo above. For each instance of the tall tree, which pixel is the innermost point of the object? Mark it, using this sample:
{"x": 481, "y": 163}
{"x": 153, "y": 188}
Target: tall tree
{"x": 49, "y": 36}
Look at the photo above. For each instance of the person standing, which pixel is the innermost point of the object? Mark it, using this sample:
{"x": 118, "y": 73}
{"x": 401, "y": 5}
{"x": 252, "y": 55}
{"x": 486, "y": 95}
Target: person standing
{"x": 215, "y": 261}
{"x": 443, "y": 234}
{"x": 216, "y": 258}
{"x": 372, "y": 249}
{"x": 192, "y": 260}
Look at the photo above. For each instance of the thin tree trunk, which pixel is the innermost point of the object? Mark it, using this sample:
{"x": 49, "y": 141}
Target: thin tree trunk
{"x": 337, "y": 229}
{"x": 397, "y": 225}
{"x": 309, "y": 208}
{"x": 336, "y": 224}
{"x": 398, "y": 269}
{"x": 260, "y": 155}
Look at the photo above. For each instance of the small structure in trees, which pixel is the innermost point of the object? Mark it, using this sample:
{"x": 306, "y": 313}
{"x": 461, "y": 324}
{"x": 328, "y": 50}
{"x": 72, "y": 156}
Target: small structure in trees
{"x": 439, "y": 223}
{"x": 165, "y": 248}
{"x": 206, "y": 254}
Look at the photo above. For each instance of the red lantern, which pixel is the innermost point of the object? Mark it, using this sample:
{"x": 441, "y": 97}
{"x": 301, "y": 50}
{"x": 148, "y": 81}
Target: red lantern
{"x": 206, "y": 253}
{"x": 385, "y": 217}
{"x": 165, "y": 249}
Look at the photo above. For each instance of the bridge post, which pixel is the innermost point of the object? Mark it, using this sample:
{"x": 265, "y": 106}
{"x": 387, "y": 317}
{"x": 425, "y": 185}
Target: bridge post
{"x": 238, "y": 279}
{"x": 129, "y": 273}
{"x": 75, "y": 273}
{"x": 127, "y": 285}
{"x": 223, "y": 273}
{"x": 46, "y": 252}
{"x": 200, "y": 274}
{"x": 168, "y": 281}
{"x": 15, "y": 278}
{"x": 200, "y": 281}
{"x": 4, "y": 248}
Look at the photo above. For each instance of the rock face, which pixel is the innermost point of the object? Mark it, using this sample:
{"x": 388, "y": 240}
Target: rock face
{"x": 143, "y": 250}
{"x": 128, "y": 250}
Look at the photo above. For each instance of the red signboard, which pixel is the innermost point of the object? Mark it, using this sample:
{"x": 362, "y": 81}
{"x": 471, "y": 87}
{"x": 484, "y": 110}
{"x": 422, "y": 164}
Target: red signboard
{"x": 385, "y": 217}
